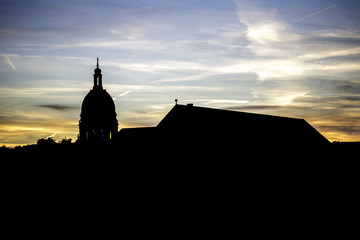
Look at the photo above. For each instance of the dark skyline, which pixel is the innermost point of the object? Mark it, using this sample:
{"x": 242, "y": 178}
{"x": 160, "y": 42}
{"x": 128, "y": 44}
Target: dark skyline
{"x": 289, "y": 58}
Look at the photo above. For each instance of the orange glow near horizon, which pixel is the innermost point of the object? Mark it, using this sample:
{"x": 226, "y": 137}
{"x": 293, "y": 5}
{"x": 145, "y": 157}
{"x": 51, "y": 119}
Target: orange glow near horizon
{"x": 26, "y": 134}
{"x": 13, "y": 134}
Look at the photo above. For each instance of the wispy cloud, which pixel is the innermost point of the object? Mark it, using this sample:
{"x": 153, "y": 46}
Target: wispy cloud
{"x": 57, "y": 107}
{"x": 8, "y": 61}
{"x": 53, "y": 135}
{"x": 25, "y": 127}
{"x": 282, "y": 50}
{"x": 315, "y": 13}
{"x": 122, "y": 94}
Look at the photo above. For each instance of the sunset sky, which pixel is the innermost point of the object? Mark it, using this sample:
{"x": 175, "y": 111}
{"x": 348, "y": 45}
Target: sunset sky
{"x": 294, "y": 58}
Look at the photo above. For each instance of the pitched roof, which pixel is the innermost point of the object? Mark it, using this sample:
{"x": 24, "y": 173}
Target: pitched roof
{"x": 245, "y": 127}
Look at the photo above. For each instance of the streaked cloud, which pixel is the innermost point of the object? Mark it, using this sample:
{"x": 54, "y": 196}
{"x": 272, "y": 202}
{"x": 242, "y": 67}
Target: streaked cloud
{"x": 16, "y": 130}
{"x": 57, "y": 107}
{"x": 122, "y": 94}
{"x": 53, "y": 135}
{"x": 315, "y": 13}
{"x": 8, "y": 61}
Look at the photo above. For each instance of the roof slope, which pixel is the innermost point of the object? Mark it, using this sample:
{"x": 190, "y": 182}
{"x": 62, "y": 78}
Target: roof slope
{"x": 240, "y": 126}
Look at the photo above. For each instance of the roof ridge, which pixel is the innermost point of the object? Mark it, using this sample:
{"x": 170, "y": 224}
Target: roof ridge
{"x": 234, "y": 111}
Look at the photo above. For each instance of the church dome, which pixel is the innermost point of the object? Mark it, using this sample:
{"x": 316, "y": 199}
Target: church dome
{"x": 98, "y": 107}
{"x": 98, "y": 116}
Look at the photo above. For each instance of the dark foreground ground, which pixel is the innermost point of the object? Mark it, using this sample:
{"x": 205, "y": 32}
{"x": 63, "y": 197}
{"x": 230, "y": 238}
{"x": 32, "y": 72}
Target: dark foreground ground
{"x": 180, "y": 189}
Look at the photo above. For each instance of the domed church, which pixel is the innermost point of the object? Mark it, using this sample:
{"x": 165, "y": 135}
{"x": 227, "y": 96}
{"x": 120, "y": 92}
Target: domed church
{"x": 98, "y": 121}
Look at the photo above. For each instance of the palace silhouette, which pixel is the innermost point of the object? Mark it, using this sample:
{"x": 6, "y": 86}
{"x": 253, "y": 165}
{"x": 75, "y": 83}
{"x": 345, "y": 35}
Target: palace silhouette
{"x": 191, "y": 125}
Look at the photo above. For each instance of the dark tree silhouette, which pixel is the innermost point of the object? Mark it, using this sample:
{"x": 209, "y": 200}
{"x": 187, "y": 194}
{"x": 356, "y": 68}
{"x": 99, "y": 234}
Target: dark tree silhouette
{"x": 65, "y": 141}
{"x": 45, "y": 142}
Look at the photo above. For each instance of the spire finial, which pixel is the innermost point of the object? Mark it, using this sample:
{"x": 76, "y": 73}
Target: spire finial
{"x": 97, "y": 62}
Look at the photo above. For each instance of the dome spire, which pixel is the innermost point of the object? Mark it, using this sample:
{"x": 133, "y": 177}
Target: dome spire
{"x": 97, "y": 75}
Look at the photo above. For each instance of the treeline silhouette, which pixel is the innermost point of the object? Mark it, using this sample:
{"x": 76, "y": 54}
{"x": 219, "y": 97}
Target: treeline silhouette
{"x": 65, "y": 149}
{"x": 42, "y": 144}
{"x": 123, "y": 150}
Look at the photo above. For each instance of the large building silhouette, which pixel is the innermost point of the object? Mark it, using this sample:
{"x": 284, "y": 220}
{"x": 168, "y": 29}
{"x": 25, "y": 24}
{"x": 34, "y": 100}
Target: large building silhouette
{"x": 200, "y": 127}
{"x": 98, "y": 121}
{"x": 192, "y": 125}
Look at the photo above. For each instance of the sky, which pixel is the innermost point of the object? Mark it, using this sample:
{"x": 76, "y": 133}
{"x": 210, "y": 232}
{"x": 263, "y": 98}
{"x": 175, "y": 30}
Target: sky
{"x": 293, "y": 58}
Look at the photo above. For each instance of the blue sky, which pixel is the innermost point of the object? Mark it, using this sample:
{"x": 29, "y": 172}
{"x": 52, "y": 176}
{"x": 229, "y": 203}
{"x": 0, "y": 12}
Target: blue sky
{"x": 296, "y": 58}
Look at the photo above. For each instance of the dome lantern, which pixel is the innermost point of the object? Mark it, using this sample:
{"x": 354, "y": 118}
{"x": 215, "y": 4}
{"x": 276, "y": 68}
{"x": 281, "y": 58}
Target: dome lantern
{"x": 97, "y": 75}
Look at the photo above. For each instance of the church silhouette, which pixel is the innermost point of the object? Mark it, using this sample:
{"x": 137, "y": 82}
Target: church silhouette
{"x": 98, "y": 121}
{"x": 189, "y": 125}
